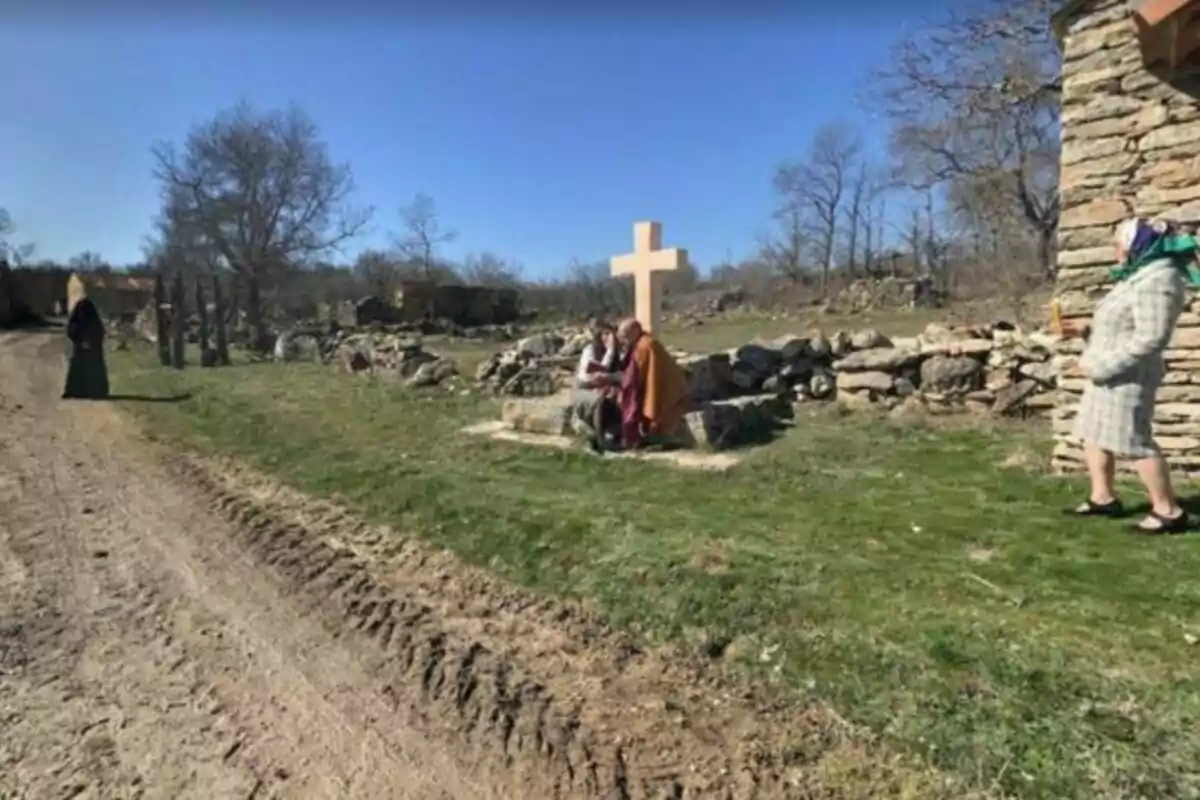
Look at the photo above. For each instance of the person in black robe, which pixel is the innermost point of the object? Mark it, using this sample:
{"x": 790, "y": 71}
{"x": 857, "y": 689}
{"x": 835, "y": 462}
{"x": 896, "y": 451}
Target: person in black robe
{"x": 87, "y": 376}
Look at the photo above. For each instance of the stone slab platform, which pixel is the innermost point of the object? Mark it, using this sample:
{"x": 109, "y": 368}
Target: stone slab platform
{"x": 698, "y": 460}
{"x": 716, "y": 425}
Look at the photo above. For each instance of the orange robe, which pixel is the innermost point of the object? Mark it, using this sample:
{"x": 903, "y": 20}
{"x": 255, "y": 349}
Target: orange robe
{"x": 662, "y": 395}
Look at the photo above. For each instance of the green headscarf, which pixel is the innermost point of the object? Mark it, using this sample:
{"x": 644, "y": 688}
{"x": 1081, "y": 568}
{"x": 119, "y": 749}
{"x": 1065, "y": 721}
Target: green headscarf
{"x": 1145, "y": 243}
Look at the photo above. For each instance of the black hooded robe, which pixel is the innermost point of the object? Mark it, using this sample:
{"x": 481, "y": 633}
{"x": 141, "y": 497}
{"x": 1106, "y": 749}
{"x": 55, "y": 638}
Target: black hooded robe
{"x": 87, "y": 376}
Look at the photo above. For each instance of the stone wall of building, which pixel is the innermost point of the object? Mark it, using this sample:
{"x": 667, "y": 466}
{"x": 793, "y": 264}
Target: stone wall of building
{"x": 469, "y": 306}
{"x": 9, "y": 303}
{"x": 1131, "y": 146}
{"x": 37, "y": 292}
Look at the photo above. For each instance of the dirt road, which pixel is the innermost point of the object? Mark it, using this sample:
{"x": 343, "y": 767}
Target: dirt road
{"x": 142, "y": 654}
{"x": 173, "y": 626}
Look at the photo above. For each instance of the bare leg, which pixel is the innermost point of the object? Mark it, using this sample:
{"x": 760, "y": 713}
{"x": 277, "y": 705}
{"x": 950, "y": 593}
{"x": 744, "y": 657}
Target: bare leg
{"x": 1156, "y": 476}
{"x": 1101, "y": 467}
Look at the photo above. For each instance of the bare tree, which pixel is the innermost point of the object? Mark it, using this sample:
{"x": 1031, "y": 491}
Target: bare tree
{"x": 423, "y": 236}
{"x": 260, "y": 191}
{"x": 378, "y": 271}
{"x": 914, "y": 240}
{"x": 785, "y": 251}
{"x": 488, "y": 269}
{"x": 88, "y": 261}
{"x": 865, "y": 198}
{"x": 681, "y": 281}
{"x": 975, "y": 99}
{"x": 816, "y": 188}
{"x": 15, "y": 254}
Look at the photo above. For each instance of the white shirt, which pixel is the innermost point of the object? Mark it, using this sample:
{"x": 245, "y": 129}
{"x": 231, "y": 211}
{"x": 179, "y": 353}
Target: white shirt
{"x": 587, "y": 359}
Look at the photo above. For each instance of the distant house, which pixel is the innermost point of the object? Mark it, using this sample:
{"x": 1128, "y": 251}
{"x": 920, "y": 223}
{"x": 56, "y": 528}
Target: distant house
{"x": 117, "y": 294}
{"x": 10, "y": 304}
{"x": 465, "y": 305}
{"x": 34, "y": 291}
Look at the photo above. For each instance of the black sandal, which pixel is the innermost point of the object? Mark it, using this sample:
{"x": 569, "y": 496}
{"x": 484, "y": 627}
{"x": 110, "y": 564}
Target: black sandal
{"x": 1166, "y": 525}
{"x": 1111, "y": 509}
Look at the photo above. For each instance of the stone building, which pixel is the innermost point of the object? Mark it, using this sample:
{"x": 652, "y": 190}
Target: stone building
{"x": 1131, "y": 146}
{"x": 118, "y": 295}
{"x": 468, "y": 306}
{"x": 32, "y": 292}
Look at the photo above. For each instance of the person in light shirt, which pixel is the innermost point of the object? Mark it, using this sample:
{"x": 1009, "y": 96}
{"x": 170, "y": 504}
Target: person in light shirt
{"x": 597, "y": 380}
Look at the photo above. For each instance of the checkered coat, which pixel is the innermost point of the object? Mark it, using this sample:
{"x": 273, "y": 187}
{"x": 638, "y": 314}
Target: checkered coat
{"x": 1123, "y": 357}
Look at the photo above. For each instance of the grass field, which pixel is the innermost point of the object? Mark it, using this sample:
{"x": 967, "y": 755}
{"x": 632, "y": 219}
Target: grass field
{"x": 920, "y": 578}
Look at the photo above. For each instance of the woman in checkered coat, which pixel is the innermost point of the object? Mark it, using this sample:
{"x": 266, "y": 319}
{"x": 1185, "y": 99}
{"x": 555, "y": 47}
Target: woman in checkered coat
{"x": 1123, "y": 362}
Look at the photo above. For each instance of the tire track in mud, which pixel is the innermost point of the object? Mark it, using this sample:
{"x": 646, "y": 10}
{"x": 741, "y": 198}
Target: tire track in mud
{"x": 82, "y": 634}
{"x": 538, "y": 692}
{"x": 144, "y": 654}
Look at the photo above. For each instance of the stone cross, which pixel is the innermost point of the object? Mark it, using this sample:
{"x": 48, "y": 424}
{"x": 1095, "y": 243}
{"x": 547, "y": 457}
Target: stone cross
{"x": 646, "y": 264}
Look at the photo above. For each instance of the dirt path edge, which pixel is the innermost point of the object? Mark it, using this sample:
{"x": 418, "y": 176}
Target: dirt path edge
{"x": 539, "y": 694}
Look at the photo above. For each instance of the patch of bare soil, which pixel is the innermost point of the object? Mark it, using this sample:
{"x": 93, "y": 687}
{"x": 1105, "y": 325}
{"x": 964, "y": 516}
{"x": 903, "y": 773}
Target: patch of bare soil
{"x": 177, "y": 626}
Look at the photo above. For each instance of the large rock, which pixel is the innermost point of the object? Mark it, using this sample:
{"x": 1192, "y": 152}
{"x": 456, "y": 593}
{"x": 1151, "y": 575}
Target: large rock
{"x": 858, "y": 381}
{"x": 790, "y": 347}
{"x": 544, "y": 415}
{"x": 799, "y": 370}
{"x": 959, "y": 347}
{"x": 756, "y": 360}
{"x": 1011, "y": 398}
{"x": 432, "y": 373}
{"x": 709, "y": 377}
{"x": 821, "y": 385}
{"x": 942, "y": 374}
{"x": 868, "y": 339}
{"x": 1043, "y": 372}
{"x": 530, "y": 380}
{"x": 291, "y": 347}
{"x": 746, "y": 378}
{"x": 575, "y": 345}
{"x": 540, "y": 345}
{"x": 489, "y": 367}
{"x": 353, "y": 361}
{"x": 878, "y": 359}
{"x": 728, "y": 423}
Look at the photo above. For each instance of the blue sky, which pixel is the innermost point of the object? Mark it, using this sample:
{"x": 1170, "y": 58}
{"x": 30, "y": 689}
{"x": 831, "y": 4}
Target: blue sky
{"x": 541, "y": 141}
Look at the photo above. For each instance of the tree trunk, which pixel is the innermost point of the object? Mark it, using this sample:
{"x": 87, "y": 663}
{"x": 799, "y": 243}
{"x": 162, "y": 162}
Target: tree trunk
{"x": 869, "y": 243}
{"x": 160, "y": 322}
{"x": 258, "y": 328}
{"x": 827, "y": 261}
{"x": 222, "y": 338}
{"x": 852, "y": 244}
{"x": 1046, "y": 253}
{"x": 178, "y": 322}
{"x": 206, "y": 360}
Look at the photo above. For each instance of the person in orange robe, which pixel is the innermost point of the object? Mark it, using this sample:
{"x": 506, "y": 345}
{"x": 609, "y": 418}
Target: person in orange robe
{"x": 654, "y": 389}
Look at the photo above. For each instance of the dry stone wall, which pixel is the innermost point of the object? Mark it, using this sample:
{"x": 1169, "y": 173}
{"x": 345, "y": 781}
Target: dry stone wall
{"x": 1131, "y": 146}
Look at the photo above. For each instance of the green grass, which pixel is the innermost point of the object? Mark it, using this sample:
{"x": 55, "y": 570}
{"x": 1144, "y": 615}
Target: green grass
{"x": 902, "y": 573}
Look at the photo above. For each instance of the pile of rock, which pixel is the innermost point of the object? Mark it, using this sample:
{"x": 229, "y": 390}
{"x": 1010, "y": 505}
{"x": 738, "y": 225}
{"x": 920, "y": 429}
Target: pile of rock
{"x": 993, "y": 368}
{"x": 868, "y": 294}
{"x": 537, "y": 366}
{"x": 356, "y": 352}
